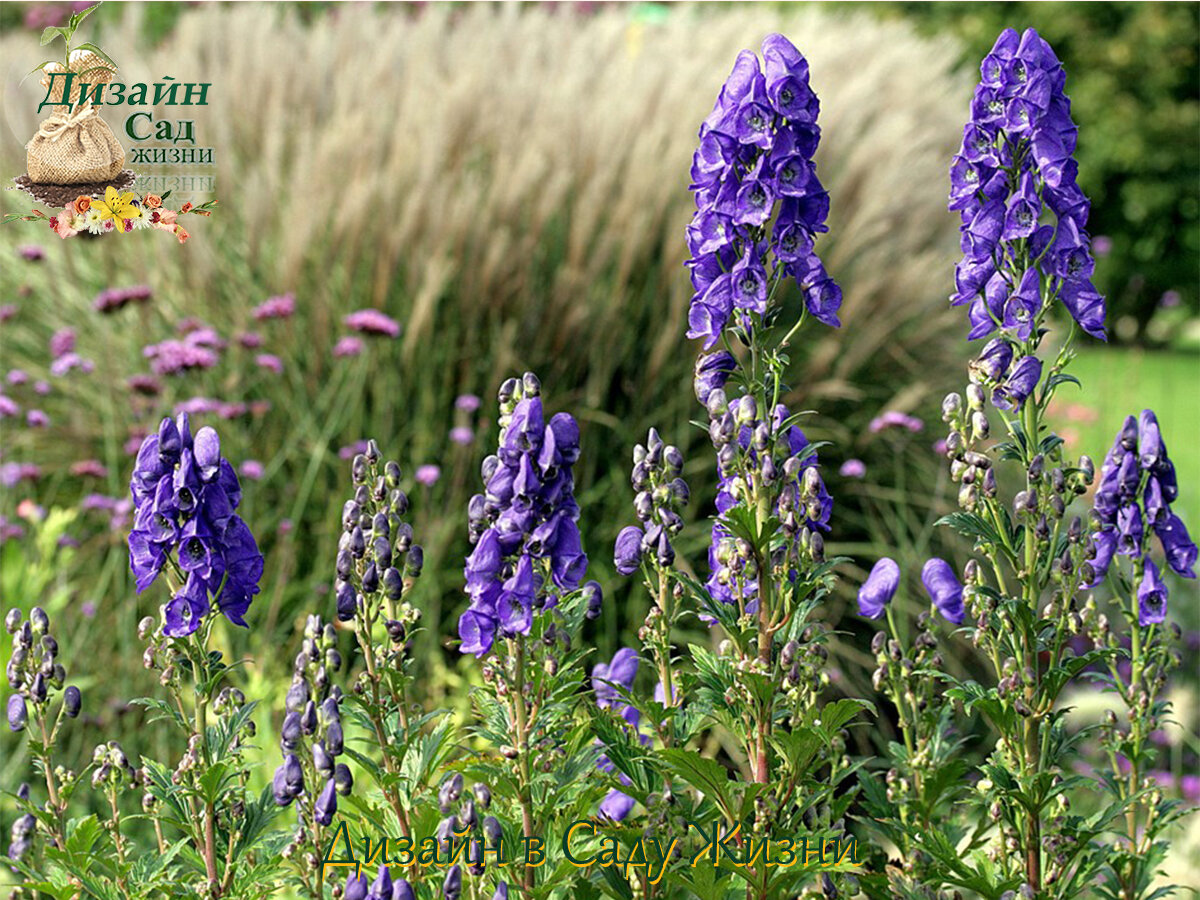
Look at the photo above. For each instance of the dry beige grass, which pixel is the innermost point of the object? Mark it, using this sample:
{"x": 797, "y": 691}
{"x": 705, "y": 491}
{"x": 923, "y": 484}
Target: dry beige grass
{"x": 533, "y": 165}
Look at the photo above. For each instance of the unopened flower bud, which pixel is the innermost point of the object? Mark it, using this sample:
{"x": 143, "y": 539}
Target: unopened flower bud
{"x": 951, "y": 406}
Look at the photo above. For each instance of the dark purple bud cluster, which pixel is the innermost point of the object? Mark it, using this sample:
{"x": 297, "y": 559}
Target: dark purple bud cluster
{"x": 759, "y": 203}
{"x": 1011, "y": 384}
{"x": 185, "y": 494}
{"x": 1015, "y": 169}
{"x": 466, "y": 821}
{"x": 661, "y": 494}
{"x": 377, "y": 559}
{"x": 34, "y": 671}
{"x": 527, "y": 549}
{"x": 23, "y": 830}
{"x": 762, "y": 455}
{"x": 311, "y": 736}
{"x": 382, "y": 888}
{"x": 802, "y": 668}
{"x": 1136, "y": 490}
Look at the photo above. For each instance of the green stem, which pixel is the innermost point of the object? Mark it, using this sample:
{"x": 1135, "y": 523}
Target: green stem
{"x": 1032, "y": 760}
{"x": 523, "y": 778}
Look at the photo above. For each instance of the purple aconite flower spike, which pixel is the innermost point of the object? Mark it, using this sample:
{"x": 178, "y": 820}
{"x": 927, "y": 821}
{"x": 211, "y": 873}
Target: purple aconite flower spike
{"x": 759, "y": 202}
{"x": 527, "y": 547}
{"x": 1013, "y": 184}
{"x": 185, "y": 494}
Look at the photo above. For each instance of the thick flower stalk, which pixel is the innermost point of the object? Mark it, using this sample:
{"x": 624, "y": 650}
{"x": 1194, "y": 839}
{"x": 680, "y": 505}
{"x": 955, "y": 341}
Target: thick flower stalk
{"x": 311, "y": 738}
{"x": 759, "y": 208}
{"x": 185, "y": 527}
{"x": 1132, "y": 508}
{"x": 37, "y": 678}
{"x": 377, "y": 563}
{"x": 523, "y": 577}
{"x": 1025, "y": 251}
{"x": 185, "y": 495}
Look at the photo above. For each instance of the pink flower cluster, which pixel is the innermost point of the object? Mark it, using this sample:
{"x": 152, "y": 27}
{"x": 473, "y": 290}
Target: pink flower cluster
{"x": 62, "y": 342}
{"x": 372, "y": 321}
{"x": 197, "y": 350}
{"x": 110, "y": 300}
{"x": 279, "y": 307}
{"x": 13, "y": 473}
{"x": 895, "y": 419}
{"x": 202, "y": 406}
{"x": 68, "y": 361}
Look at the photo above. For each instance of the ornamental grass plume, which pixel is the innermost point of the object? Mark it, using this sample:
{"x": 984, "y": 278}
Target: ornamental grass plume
{"x": 599, "y": 234}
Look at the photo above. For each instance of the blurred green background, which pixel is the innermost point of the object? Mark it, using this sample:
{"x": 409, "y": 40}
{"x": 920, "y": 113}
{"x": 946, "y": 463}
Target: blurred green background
{"x": 510, "y": 184}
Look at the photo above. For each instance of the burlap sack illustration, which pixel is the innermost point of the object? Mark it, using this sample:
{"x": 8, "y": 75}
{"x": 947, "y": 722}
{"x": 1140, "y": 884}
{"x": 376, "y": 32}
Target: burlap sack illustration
{"x": 74, "y": 148}
{"x": 74, "y": 145}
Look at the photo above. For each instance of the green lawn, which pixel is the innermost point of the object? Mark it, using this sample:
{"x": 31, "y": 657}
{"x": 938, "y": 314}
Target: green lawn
{"x": 1118, "y": 382}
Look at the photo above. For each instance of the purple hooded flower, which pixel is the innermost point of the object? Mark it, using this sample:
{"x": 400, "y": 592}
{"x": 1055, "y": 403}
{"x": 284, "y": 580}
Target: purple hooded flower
{"x": 356, "y": 887}
{"x": 621, "y": 671}
{"x": 17, "y": 713}
{"x": 1151, "y": 450}
{"x": 326, "y": 804}
{"x": 1178, "y": 546}
{"x": 712, "y": 372}
{"x": 627, "y": 554}
{"x": 994, "y": 361}
{"x": 1021, "y": 382}
{"x": 1152, "y": 596}
{"x": 879, "y": 588}
{"x": 944, "y": 589}
{"x": 616, "y": 805}
{"x": 1103, "y": 547}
